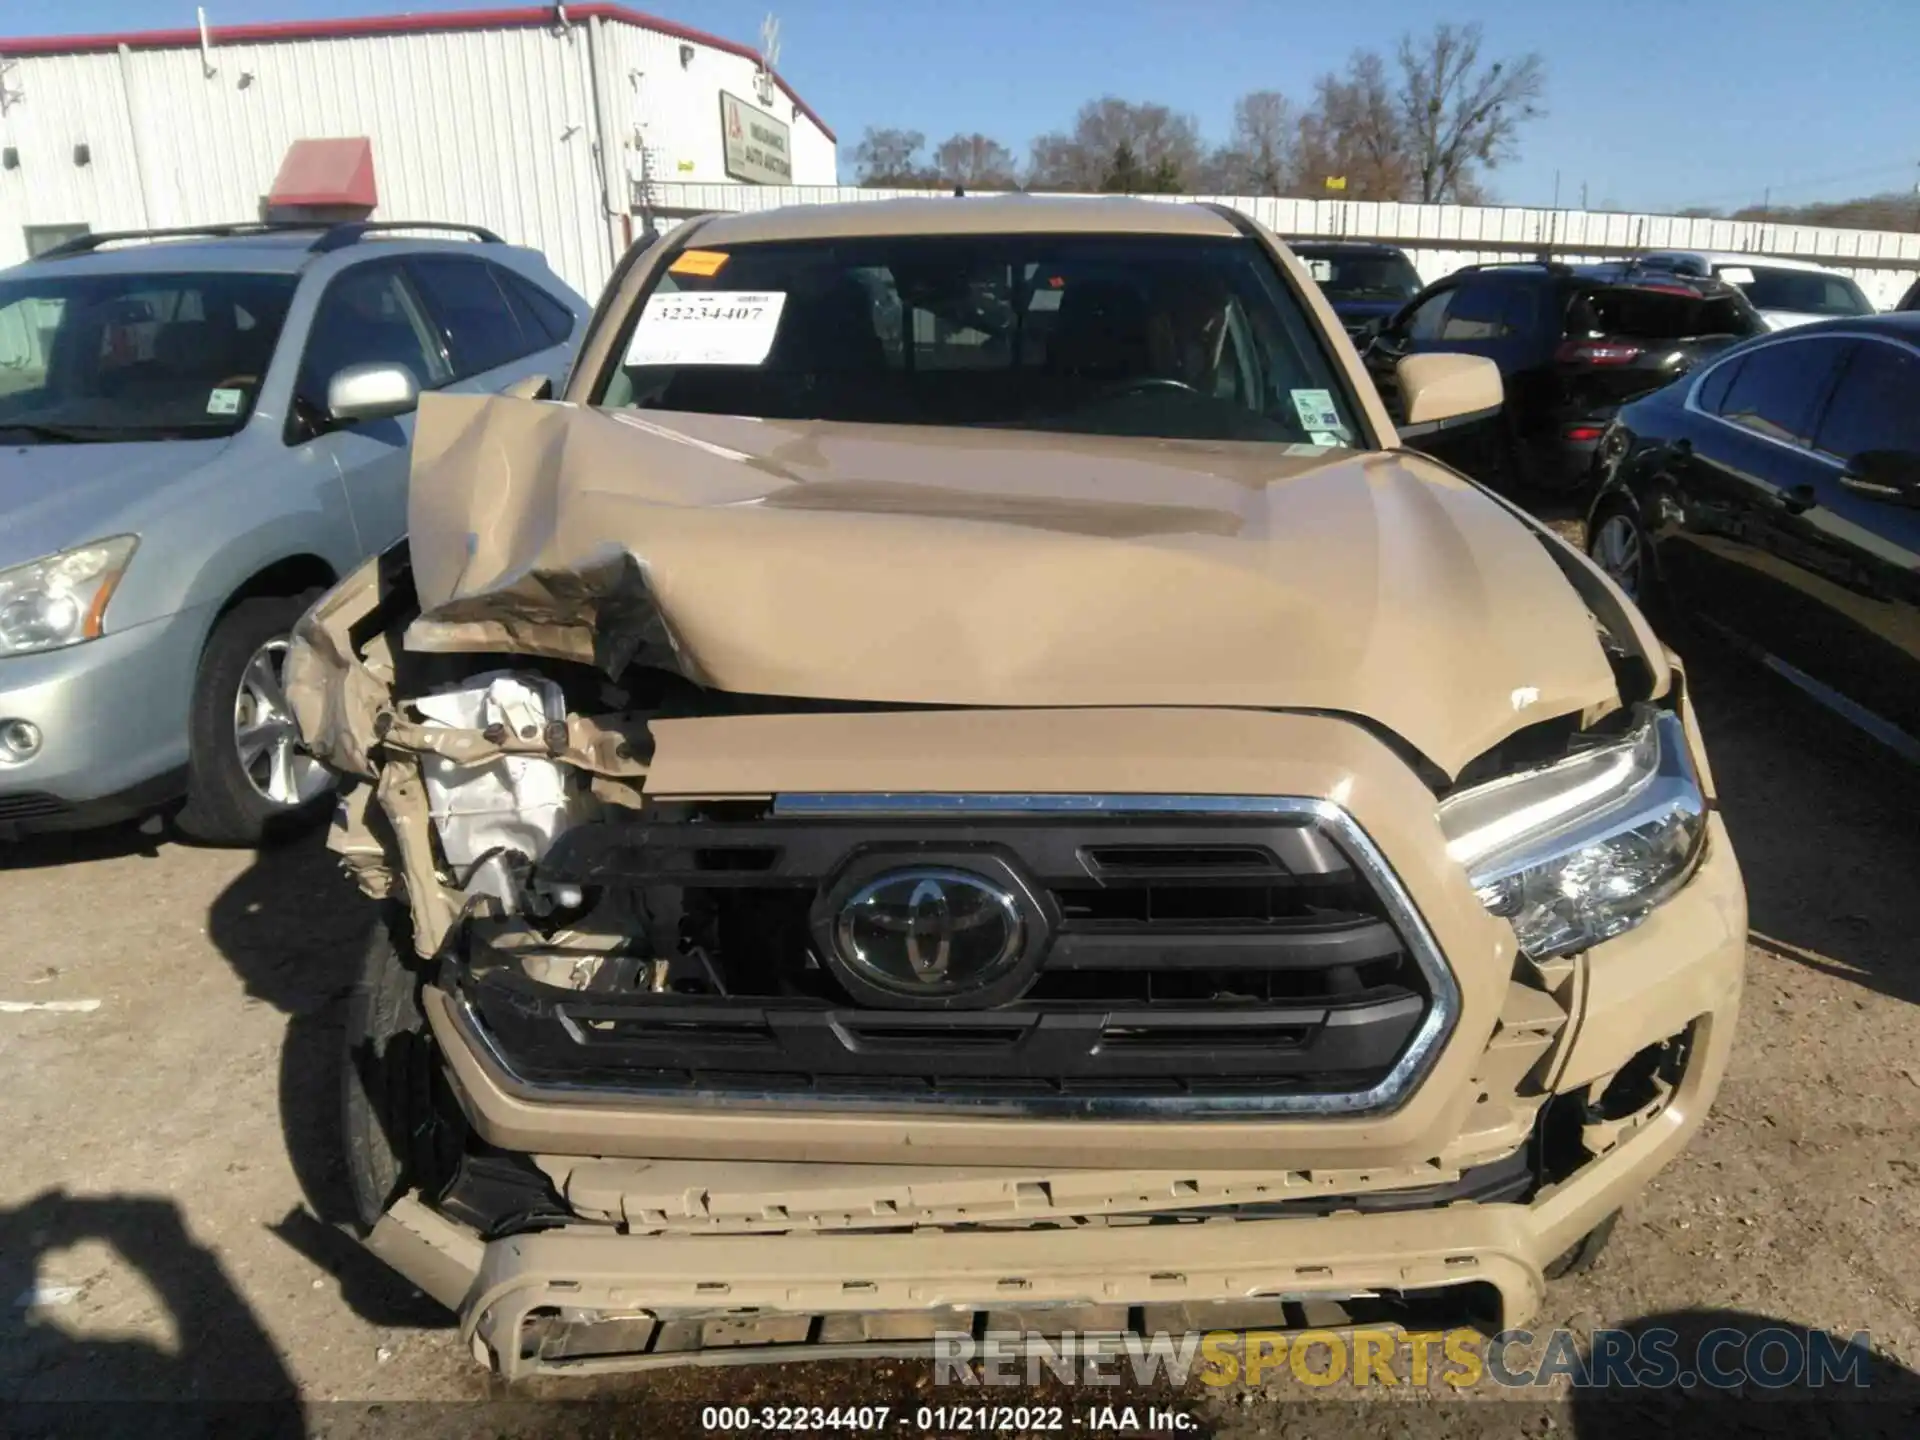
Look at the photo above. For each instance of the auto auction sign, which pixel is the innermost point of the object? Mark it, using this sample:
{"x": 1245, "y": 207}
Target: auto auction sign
{"x": 756, "y": 143}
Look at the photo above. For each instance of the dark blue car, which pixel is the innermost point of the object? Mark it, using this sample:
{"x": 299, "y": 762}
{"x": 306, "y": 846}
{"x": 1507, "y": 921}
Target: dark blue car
{"x": 1364, "y": 282}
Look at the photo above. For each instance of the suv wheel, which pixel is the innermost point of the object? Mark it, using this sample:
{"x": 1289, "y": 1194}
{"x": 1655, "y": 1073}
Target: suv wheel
{"x": 248, "y": 777}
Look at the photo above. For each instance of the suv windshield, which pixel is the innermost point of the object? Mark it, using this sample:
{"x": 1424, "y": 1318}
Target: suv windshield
{"x": 135, "y": 357}
{"x": 1170, "y": 336}
{"x": 1361, "y": 277}
{"x": 1807, "y": 292}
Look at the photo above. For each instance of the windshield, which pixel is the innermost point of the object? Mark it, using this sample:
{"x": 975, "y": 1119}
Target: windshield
{"x": 1807, "y": 292}
{"x": 134, "y": 357}
{"x": 1169, "y": 336}
{"x": 1361, "y": 277}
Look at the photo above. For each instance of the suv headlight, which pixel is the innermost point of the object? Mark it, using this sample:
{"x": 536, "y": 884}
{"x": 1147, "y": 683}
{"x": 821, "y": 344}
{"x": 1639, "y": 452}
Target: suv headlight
{"x": 1584, "y": 848}
{"x": 62, "y": 599}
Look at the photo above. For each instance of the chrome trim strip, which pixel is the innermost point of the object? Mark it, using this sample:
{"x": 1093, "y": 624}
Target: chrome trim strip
{"x": 1388, "y": 1094}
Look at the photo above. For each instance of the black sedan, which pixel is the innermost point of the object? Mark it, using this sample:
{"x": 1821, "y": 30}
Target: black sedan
{"x": 1773, "y": 496}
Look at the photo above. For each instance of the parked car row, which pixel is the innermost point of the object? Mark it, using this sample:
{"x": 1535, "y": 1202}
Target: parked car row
{"x": 199, "y": 432}
{"x": 1572, "y": 343}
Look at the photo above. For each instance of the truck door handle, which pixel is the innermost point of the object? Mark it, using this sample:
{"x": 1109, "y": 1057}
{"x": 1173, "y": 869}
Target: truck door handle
{"x": 1798, "y": 499}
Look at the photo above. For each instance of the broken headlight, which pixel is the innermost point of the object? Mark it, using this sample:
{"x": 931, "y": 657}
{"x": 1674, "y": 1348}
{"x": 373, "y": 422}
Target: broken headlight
{"x": 60, "y": 600}
{"x": 1584, "y": 848}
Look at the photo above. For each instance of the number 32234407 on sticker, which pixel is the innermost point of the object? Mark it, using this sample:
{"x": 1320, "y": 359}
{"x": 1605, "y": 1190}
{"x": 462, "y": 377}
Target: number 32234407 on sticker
{"x": 710, "y": 327}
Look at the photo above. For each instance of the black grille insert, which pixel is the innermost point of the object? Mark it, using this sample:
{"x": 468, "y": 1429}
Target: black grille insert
{"x": 1207, "y": 956}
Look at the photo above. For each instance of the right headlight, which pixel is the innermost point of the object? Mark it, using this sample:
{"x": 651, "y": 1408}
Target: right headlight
{"x": 61, "y": 600}
{"x": 1586, "y": 847}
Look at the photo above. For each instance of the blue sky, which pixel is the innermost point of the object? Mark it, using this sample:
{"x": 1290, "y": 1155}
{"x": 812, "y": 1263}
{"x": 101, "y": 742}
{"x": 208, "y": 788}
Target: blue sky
{"x": 1653, "y": 104}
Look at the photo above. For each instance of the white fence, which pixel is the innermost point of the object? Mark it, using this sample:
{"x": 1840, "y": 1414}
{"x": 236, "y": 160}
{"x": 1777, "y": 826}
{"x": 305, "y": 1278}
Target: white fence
{"x": 1439, "y": 239}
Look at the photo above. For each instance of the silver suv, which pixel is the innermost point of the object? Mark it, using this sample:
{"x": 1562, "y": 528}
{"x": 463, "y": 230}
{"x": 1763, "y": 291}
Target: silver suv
{"x": 199, "y": 432}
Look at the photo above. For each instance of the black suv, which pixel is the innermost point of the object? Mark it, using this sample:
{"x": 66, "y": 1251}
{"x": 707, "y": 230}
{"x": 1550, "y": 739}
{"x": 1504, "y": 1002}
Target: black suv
{"x": 1573, "y": 343}
{"x": 1364, "y": 282}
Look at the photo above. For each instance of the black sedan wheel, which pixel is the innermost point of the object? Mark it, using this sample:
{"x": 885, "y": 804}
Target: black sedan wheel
{"x": 1619, "y": 546}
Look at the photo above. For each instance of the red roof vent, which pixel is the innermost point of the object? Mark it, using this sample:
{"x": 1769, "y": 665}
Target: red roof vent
{"x": 329, "y": 175}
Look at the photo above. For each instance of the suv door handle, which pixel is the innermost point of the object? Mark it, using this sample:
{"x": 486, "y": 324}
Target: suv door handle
{"x": 1798, "y": 499}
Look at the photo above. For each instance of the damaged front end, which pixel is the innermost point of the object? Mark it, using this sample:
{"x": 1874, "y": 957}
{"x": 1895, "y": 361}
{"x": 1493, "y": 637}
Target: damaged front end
{"x": 776, "y": 1015}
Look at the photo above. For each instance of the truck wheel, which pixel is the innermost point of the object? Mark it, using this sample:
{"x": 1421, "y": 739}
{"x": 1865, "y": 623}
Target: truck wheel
{"x": 1583, "y": 1252}
{"x": 248, "y": 778}
{"x": 396, "y": 1134}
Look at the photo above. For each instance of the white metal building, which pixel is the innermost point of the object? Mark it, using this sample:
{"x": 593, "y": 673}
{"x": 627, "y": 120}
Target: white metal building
{"x": 550, "y": 125}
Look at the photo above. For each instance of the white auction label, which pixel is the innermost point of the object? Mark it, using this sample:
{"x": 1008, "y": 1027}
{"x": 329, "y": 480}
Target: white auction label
{"x": 707, "y": 327}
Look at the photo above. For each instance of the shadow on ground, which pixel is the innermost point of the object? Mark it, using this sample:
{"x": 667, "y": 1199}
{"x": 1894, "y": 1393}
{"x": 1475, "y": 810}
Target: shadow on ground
{"x": 1826, "y": 823}
{"x": 40, "y": 852}
{"x": 295, "y": 931}
{"x": 1877, "y": 1396}
{"x": 56, "y": 1380}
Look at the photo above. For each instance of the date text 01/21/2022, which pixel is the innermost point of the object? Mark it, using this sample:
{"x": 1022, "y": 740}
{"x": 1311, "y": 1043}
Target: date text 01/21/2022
{"x": 942, "y": 1419}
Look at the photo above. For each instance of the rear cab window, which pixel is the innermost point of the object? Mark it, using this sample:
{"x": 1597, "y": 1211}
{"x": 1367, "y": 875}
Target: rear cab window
{"x": 1180, "y": 337}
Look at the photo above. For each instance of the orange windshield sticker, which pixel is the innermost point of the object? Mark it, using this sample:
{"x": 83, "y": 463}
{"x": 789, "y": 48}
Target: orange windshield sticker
{"x": 698, "y": 262}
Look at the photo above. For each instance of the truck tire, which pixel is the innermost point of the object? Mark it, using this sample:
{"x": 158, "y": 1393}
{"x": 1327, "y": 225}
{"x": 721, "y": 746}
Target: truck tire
{"x": 247, "y": 781}
{"x": 1579, "y": 1256}
{"x": 396, "y": 1135}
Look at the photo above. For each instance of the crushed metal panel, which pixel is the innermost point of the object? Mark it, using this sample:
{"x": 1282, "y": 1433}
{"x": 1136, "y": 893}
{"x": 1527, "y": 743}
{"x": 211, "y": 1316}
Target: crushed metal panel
{"x": 844, "y": 562}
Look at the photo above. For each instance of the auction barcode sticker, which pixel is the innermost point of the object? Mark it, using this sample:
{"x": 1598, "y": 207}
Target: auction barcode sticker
{"x": 707, "y": 327}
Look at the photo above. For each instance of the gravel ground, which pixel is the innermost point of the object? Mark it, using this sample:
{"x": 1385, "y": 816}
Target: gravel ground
{"x": 171, "y": 1183}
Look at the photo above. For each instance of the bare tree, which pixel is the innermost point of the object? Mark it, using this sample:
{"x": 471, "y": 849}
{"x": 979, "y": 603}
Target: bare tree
{"x": 1259, "y": 159}
{"x": 1354, "y": 133}
{"x": 975, "y": 161}
{"x": 1164, "y": 144}
{"x": 891, "y": 157}
{"x": 1458, "y": 113}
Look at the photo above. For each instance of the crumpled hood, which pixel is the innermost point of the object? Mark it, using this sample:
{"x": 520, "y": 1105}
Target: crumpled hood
{"x": 53, "y": 497}
{"x": 988, "y": 568}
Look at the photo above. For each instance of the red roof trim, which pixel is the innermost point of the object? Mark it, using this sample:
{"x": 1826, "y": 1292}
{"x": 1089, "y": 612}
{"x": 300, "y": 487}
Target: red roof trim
{"x": 388, "y": 25}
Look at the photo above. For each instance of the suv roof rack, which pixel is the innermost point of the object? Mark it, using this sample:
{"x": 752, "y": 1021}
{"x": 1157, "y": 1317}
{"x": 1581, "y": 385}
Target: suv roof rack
{"x": 332, "y": 235}
{"x": 351, "y": 232}
{"x": 87, "y": 244}
{"x": 1550, "y": 266}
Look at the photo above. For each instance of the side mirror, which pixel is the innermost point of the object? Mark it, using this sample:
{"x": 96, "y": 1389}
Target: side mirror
{"x": 1440, "y": 392}
{"x": 529, "y": 387}
{"x": 371, "y": 392}
{"x": 1889, "y": 475}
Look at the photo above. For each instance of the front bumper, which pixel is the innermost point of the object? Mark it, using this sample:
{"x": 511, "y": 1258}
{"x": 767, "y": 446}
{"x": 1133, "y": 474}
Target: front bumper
{"x": 113, "y": 716}
{"x": 643, "y": 1300}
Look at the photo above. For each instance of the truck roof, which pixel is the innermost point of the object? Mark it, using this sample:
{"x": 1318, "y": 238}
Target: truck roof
{"x": 967, "y": 215}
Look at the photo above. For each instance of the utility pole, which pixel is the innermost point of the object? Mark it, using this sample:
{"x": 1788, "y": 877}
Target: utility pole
{"x": 1583, "y": 194}
{"x": 1556, "y": 190}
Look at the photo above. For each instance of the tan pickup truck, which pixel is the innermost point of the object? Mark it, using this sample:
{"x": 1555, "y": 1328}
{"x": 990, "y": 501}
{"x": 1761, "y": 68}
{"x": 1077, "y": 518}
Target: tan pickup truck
{"x": 960, "y": 767}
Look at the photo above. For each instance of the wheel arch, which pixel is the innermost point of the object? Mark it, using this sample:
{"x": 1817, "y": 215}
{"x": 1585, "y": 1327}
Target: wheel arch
{"x": 290, "y": 575}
